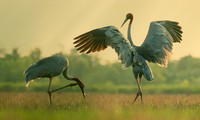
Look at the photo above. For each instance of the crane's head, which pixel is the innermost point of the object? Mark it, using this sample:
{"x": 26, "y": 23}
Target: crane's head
{"x": 129, "y": 16}
{"x": 81, "y": 85}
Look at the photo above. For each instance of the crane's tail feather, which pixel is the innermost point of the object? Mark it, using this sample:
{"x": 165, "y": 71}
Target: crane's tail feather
{"x": 27, "y": 83}
{"x": 30, "y": 74}
{"x": 28, "y": 79}
{"x": 147, "y": 73}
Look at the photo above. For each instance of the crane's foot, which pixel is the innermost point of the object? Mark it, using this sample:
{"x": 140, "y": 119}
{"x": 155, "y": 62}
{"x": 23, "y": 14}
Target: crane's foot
{"x": 49, "y": 92}
{"x": 139, "y": 93}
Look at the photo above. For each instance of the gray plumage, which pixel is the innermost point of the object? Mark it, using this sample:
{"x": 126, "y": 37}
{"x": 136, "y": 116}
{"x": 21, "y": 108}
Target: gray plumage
{"x": 50, "y": 67}
{"x": 99, "y": 39}
{"x": 157, "y": 45}
{"x": 156, "y": 48}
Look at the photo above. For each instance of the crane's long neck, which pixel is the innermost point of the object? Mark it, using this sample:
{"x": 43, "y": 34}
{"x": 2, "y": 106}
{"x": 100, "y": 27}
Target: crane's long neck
{"x": 78, "y": 82}
{"x": 129, "y": 33}
{"x": 65, "y": 74}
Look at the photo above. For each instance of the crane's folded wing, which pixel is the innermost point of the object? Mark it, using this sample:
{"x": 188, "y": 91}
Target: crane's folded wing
{"x": 46, "y": 67}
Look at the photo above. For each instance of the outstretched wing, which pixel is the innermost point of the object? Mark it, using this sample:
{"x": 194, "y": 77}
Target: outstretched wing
{"x": 157, "y": 46}
{"x": 98, "y": 39}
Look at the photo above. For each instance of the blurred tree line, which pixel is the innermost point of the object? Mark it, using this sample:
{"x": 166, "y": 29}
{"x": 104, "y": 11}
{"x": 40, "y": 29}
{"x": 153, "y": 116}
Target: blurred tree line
{"x": 90, "y": 70}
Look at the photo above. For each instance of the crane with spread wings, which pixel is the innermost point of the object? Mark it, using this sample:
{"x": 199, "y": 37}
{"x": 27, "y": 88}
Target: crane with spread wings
{"x": 156, "y": 48}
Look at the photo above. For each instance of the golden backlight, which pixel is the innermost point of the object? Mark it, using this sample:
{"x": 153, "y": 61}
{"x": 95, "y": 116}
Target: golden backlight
{"x": 51, "y": 25}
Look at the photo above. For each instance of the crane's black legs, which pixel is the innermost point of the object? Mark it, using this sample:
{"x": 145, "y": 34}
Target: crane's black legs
{"x": 49, "y": 91}
{"x": 70, "y": 85}
{"x": 52, "y": 91}
{"x": 139, "y": 93}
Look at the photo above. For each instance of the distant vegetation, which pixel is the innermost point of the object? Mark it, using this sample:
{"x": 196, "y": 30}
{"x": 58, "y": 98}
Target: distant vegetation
{"x": 182, "y": 76}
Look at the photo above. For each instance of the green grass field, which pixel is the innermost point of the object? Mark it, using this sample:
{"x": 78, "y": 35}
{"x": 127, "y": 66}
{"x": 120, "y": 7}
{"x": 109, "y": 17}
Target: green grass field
{"x": 71, "y": 106}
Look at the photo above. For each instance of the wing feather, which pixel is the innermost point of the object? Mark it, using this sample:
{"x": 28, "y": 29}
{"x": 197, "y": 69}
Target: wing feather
{"x": 82, "y": 41}
{"x": 99, "y": 39}
{"x": 173, "y": 28}
{"x": 157, "y": 46}
{"x": 85, "y": 47}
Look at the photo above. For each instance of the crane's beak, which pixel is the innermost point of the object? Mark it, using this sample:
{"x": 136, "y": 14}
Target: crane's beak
{"x": 81, "y": 85}
{"x": 124, "y": 22}
{"x": 82, "y": 89}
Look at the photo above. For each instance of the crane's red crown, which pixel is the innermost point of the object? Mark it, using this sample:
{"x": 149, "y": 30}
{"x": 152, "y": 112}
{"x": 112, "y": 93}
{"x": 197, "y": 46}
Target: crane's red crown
{"x": 129, "y": 16}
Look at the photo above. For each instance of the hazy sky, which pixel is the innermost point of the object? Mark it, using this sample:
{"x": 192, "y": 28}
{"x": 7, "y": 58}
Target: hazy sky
{"x": 51, "y": 25}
